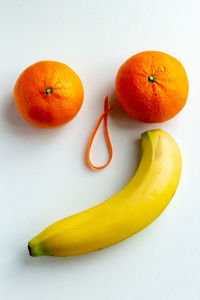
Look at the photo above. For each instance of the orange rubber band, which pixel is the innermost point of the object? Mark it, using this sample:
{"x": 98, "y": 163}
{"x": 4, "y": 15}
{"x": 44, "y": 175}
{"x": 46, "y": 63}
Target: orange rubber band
{"x": 105, "y": 117}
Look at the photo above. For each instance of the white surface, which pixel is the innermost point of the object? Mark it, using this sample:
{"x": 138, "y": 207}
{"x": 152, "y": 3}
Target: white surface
{"x": 43, "y": 173}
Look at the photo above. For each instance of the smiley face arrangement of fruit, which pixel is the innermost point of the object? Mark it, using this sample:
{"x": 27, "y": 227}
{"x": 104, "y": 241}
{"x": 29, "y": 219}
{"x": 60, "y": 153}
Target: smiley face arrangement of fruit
{"x": 48, "y": 94}
{"x": 151, "y": 87}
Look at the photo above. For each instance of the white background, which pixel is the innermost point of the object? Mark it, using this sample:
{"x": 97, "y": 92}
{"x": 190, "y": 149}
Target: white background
{"x": 43, "y": 174}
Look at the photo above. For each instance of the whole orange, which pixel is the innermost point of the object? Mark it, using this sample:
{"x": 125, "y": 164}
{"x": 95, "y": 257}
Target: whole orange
{"x": 48, "y": 94}
{"x": 152, "y": 86}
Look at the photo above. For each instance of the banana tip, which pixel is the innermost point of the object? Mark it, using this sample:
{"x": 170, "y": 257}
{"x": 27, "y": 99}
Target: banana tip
{"x": 29, "y": 250}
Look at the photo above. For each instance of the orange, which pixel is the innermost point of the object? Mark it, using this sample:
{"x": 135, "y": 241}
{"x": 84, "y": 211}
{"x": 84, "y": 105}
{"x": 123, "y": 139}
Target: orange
{"x": 152, "y": 86}
{"x": 48, "y": 94}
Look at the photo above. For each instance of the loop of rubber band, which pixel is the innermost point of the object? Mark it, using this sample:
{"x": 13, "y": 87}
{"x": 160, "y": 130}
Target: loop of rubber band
{"x": 104, "y": 117}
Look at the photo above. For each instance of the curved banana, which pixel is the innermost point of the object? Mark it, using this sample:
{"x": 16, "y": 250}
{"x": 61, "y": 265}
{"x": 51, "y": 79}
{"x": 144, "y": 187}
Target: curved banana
{"x": 138, "y": 204}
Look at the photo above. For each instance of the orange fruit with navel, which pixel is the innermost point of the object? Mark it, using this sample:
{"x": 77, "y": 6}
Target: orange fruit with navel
{"x": 152, "y": 86}
{"x": 48, "y": 94}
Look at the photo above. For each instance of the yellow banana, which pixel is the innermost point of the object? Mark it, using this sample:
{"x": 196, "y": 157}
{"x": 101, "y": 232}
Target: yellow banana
{"x": 138, "y": 204}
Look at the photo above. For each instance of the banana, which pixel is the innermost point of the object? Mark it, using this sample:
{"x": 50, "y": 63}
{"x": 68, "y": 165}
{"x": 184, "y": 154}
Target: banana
{"x": 138, "y": 204}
